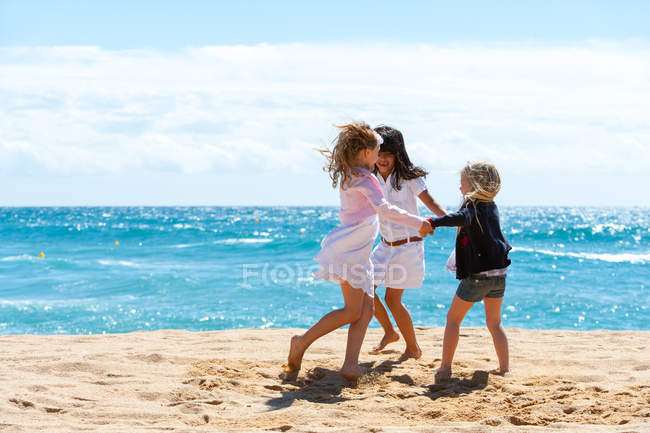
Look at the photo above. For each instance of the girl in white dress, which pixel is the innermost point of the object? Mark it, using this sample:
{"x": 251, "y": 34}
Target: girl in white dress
{"x": 398, "y": 259}
{"x": 345, "y": 251}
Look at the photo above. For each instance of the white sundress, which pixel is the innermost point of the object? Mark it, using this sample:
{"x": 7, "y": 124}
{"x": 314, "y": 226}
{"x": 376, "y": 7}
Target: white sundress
{"x": 345, "y": 251}
{"x": 399, "y": 267}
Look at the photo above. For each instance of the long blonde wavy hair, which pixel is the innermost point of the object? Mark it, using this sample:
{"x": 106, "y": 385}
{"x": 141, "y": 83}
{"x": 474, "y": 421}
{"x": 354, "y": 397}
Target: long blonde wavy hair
{"x": 341, "y": 160}
{"x": 484, "y": 181}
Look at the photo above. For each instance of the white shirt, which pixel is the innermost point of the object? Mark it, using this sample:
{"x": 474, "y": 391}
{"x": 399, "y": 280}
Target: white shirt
{"x": 406, "y": 198}
{"x": 363, "y": 197}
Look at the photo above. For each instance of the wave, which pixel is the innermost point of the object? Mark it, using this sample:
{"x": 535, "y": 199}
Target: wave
{"x": 606, "y": 257}
{"x": 200, "y": 244}
{"x": 118, "y": 263}
{"x": 17, "y": 258}
{"x": 243, "y": 241}
{"x": 29, "y": 258}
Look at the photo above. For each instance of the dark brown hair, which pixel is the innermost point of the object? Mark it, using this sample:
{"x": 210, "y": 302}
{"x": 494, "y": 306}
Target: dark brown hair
{"x": 404, "y": 168}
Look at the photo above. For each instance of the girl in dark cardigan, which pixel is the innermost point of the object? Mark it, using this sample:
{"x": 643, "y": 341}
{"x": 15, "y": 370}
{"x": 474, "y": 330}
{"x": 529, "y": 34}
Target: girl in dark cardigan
{"x": 480, "y": 260}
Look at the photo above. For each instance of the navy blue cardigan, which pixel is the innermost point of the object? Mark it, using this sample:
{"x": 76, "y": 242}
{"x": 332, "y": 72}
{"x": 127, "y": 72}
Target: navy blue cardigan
{"x": 478, "y": 248}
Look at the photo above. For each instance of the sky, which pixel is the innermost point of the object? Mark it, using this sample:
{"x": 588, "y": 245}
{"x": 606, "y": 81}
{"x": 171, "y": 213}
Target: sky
{"x": 223, "y": 103}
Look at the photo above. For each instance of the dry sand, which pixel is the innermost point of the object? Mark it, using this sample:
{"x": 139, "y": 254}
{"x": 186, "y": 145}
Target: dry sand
{"x": 231, "y": 381}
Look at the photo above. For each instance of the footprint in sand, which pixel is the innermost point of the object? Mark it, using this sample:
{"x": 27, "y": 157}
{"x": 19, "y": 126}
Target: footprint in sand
{"x": 274, "y": 387}
{"x": 589, "y": 379}
{"x": 23, "y": 404}
{"x": 569, "y": 409}
{"x": 566, "y": 388}
{"x": 37, "y": 388}
{"x": 118, "y": 375}
{"x": 404, "y": 378}
{"x": 153, "y": 358}
{"x": 515, "y": 420}
{"x": 282, "y": 428}
{"x": 53, "y": 410}
{"x": 150, "y": 396}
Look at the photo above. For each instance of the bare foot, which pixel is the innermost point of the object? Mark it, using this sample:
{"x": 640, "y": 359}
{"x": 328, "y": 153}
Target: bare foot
{"x": 351, "y": 373}
{"x": 388, "y": 338}
{"x": 296, "y": 351}
{"x": 499, "y": 371}
{"x": 411, "y": 353}
{"x": 442, "y": 374}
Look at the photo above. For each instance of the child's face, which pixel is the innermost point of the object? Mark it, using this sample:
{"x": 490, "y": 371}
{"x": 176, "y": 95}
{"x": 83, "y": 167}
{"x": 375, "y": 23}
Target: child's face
{"x": 465, "y": 186}
{"x": 385, "y": 162}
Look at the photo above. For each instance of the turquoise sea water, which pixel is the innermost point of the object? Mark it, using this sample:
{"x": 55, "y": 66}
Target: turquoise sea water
{"x": 207, "y": 268}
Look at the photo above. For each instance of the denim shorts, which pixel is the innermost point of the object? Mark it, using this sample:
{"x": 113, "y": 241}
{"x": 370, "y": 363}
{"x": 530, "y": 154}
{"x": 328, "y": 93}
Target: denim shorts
{"x": 476, "y": 287}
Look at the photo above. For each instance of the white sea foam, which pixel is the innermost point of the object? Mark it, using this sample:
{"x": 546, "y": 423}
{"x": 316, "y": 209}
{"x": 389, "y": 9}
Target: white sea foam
{"x": 119, "y": 263}
{"x": 606, "y": 257}
{"x": 611, "y": 228}
{"x": 243, "y": 241}
{"x": 17, "y": 258}
{"x": 200, "y": 244}
{"x": 188, "y": 226}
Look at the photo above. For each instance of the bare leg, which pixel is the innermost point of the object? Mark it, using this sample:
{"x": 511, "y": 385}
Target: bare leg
{"x": 404, "y": 323}
{"x": 390, "y": 335}
{"x": 356, "y": 334}
{"x": 455, "y": 317}
{"x": 331, "y": 321}
{"x": 493, "y": 322}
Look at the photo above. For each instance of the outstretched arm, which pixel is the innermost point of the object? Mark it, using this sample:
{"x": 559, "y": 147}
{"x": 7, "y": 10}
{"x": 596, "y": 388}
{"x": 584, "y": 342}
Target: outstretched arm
{"x": 461, "y": 218}
{"x": 370, "y": 188}
{"x": 387, "y": 211}
{"x": 431, "y": 203}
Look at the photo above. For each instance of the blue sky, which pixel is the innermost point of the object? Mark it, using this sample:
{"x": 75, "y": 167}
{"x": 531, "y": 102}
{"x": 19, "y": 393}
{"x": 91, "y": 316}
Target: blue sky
{"x": 172, "y": 24}
{"x": 221, "y": 103}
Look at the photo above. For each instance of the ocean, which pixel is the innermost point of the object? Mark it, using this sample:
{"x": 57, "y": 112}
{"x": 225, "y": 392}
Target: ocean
{"x": 94, "y": 270}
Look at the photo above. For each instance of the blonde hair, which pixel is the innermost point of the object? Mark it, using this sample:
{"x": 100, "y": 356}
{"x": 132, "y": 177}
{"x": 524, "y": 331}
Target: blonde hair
{"x": 485, "y": 183}
{"x": 353, "y": 138}
{"x": 484, "y": 180}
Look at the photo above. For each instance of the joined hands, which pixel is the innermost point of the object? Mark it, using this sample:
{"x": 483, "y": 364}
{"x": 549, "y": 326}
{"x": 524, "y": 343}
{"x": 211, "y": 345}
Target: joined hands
{"x": 426, "y": 229}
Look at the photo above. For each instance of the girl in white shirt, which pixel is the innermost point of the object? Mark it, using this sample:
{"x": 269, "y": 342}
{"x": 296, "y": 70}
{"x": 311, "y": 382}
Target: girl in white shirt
{"x": 398, "y": 259}
{"x": 345, "y": 251}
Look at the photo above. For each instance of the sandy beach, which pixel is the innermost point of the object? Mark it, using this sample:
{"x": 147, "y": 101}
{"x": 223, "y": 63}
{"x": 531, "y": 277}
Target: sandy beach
{"x": 232, "y": 381}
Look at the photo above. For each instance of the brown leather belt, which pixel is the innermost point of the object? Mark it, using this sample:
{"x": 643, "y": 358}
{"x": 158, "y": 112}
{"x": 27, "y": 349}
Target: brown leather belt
{"x": 401, "y": 241}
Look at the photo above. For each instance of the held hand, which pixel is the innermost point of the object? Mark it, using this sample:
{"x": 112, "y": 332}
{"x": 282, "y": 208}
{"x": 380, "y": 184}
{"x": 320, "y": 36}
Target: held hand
{"x": 426, "y": 229}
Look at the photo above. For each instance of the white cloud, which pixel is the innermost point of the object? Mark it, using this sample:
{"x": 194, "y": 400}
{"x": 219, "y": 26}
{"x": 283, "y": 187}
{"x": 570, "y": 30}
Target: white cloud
{"x": 86, "y": 110}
